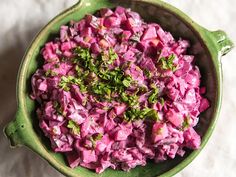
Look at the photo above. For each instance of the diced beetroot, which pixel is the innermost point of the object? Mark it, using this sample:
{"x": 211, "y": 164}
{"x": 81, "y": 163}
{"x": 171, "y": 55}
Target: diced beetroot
{"x": 49, "y": 52}
{"x": 81, "y": 25}
{"x": 159, "y": 132}
{"x": 130, "y": 24}
{"x": 120, "y": 109}
{"x": 190, "y": 97}
{"x": 112, "y": 22}
{"x": 129, "y": 55}
{"x": 192, "y": 80}
{"x": 136, "y": 73}
{"x": 173, "y": 150}
{"x": 147, "y": 63}
{"x": 122, "y": 48}
{"x": 126, "y": 35}
{"x": 77, "y": 94}
{"x": 85, "y": 127}
{"x": 175, "y": 118}
{"x": 163, "y": 36}
{"x": 122, "y": 133}
{"x": 64, "y": 33}
{"x": 101, "y": 147}
{"x": 149, "y": 33}
{"x": 95, "y": 48}
{"x": 73, "y": 159}
{"x": 103, "y": 43}
{"x": 155, "y": 43}
{"x": 88, "y": 156}
{"x": 86, "y": 32}
{"x": 192, "y": 139}
{"x": 204, "y": 104}
{"x": 66, "y": 46}
{"x": 105, "y": 12}
{"x": 78, "y": 38}
{"x": 43, "y": 86}
{"x": 188, "y": 58}
{"x": 202, "y": 90}
{"x": 173, "y": 93}
{"x": 120, "y": 10}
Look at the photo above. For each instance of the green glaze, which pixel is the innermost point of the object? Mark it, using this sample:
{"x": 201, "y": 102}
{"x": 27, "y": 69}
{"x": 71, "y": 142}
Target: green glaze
{"x": 207, "y": 46}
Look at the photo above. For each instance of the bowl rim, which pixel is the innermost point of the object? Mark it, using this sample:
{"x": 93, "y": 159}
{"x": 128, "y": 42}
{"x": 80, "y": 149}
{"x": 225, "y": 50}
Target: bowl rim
{"x": 203, "y": 35}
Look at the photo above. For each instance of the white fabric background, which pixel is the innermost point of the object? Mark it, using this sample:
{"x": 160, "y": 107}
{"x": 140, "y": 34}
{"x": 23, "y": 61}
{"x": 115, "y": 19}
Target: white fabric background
{"x": 20, "y": 20}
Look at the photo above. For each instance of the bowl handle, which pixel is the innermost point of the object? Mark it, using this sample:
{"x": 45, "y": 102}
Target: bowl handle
{"x": 222, "y": 41}
{"x": 85, "y": 2}
{"x": 13, "y": 131}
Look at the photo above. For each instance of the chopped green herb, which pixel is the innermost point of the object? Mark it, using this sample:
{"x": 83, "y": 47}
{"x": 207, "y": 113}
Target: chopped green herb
{"x": 132, "y": 114}
{"x": 64, "y": 83}
{"x": 131, "y": 100}
{"x": 147, "y": 73}
{"x": 108, "y": 57}
{"x": 112, "y": 56}
{"x": 102, "y": 89}
{"x": 167, "y": 63}
{"x": 114, "y": 76}
{"x": 186, "y": 123}
{"x": 127, "y": 81}
{"x": 136, "y": 114}
{"x": 67, "y": 81}
{"x": 56, "y": 65}
{"x": 152, "y": 114}
{"x": 50, "y": 73}
{"x": 162, "y": 101}
{"x": 57, "y": 107}
{"x": 95, "y": 138}
{"x": 84, "y": 56}
{"x": 75, "y": 129}
{"x": 107, "y": 83}
{"x": 153, "y": 98}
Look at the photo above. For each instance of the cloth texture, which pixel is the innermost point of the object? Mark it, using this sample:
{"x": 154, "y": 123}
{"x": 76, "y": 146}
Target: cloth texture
{"x": 22, "y": 19}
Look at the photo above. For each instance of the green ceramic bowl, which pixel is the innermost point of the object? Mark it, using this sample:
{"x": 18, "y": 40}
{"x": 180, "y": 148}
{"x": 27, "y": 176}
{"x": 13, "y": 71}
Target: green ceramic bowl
{"x": 207, "y": 46}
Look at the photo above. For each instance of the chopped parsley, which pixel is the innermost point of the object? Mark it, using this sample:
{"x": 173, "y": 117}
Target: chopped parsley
{"x": 69, "y": 80}
{"x": 167, "y": 63}
{"x": 147, "y": 73}
{"x": 186, "y": 123}
{"x": 112, "y": 56}
{"x": 136, "y": 114}
{"x": 107, "y": 84}
{"x": 102, "y": 89}
{"x": 152, "y": 114}
{"x": 131, "y": 100}
{"x": 153, "y": 97}
{"x": 162, "y": 101}
{"x": 127, "y": 81}
{"x": 50, "y": 73}
{"x": 95, "y": 138}
{"x": 75, "y": 129}
{"x": 64, "y": 83}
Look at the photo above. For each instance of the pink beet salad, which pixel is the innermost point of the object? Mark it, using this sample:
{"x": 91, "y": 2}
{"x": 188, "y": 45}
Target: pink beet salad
{"x": 115, "y": 91}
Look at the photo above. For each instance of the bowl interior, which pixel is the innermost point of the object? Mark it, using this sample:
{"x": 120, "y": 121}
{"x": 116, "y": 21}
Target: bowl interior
{"x": 151, "y": 13}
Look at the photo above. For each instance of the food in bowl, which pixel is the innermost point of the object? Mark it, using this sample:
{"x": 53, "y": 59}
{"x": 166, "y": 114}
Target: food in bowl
{"x": 115, "y": 91}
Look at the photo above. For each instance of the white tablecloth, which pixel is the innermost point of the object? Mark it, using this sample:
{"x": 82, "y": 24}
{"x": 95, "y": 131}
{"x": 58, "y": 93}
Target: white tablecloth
{"x": 21, "y": 19}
